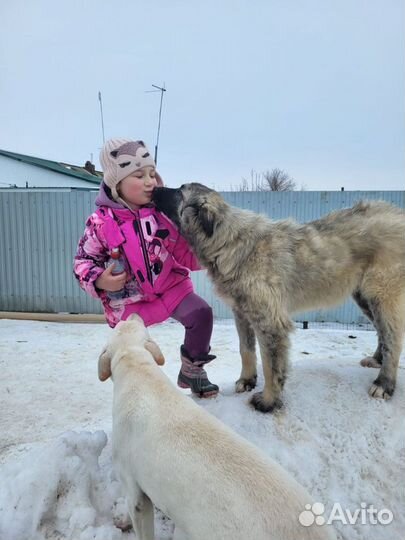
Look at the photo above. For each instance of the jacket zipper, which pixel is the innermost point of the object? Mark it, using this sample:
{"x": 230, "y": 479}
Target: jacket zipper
{"x": 138, "y": 230}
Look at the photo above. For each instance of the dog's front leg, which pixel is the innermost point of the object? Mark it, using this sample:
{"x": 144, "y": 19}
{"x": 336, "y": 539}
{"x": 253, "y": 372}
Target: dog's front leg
{"x": 140, "y": 509}
{"x": 247, "y": 349}
{"x": 273, "y": 337}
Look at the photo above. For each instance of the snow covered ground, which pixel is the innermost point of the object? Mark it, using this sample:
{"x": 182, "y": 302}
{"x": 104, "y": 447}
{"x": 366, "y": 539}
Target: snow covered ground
{"x": 56, "y": 478}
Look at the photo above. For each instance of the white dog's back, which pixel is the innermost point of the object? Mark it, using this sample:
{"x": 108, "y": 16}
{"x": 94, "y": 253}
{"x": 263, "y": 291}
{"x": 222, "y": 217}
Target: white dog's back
{"x": 210, "y": 481}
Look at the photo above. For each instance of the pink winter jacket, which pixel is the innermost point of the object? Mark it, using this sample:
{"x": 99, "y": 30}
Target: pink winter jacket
{"x": 157, "y": 259}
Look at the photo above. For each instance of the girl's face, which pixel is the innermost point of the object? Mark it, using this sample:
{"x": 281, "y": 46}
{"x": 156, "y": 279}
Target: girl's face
{"x": 136, "y": 189}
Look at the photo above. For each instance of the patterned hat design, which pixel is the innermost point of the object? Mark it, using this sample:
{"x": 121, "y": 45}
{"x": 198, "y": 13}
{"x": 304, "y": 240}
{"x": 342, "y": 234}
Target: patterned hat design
{"x": 121, "y": 157}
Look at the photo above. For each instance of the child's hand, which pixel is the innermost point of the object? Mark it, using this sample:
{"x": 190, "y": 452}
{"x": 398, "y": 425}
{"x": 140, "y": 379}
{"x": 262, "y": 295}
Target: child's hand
{"x": 108, "y": 282}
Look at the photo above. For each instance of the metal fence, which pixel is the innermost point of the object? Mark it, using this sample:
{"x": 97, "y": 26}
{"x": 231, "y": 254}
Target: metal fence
{"x": 40, "y": 228}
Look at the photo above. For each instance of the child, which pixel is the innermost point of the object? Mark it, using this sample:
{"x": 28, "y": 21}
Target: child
{"x": 156, "y": 283}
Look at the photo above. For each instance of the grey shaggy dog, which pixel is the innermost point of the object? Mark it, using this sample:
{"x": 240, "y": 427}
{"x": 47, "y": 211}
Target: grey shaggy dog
{"x": 267, "y": 270}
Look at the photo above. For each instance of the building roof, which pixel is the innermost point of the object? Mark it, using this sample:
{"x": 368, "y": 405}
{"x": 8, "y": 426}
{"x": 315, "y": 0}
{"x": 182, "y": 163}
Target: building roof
{"x": 63, "y": 168}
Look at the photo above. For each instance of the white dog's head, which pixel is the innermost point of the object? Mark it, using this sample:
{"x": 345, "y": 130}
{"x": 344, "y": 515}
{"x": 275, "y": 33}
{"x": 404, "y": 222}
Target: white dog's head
{"x": 126, "y": 335}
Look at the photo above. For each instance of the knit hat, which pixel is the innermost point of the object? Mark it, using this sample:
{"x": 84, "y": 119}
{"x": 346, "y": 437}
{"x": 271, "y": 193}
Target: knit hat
{"x": 121, "y": 157}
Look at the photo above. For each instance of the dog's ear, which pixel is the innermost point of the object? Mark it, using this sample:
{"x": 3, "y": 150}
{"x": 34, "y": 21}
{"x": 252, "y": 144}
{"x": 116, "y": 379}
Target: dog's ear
{"x": 137, "y": 318}
{"x": 104, "y": 365}
{"x": 155, "y": 351}
{"x": 207, "y": 218}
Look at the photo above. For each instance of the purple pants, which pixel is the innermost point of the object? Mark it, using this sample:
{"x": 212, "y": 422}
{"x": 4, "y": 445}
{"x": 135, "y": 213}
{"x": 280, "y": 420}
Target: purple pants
{"x": 196, "y": 316}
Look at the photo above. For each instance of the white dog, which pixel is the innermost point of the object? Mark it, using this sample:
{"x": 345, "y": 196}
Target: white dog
{"x": 213, "y": 484}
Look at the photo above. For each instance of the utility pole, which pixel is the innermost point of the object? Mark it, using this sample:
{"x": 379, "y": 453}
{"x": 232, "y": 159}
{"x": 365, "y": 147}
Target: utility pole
{"x": 101, "y": 112}
{"x": 160, "y": 89}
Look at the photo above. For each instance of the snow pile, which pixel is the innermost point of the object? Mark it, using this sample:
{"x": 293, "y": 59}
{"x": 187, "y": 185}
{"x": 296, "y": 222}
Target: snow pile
{"x": 60, "y": 489}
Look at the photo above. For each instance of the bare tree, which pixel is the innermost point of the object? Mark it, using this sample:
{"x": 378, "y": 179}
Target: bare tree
{"x": 277, "y": 180}
{"x": 274, "y": 180}
{"x": 244, "y": 186}
{"x": 251, "y": 184}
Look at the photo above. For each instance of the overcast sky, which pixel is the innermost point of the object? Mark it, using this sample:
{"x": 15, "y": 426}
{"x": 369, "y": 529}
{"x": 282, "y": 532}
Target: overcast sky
{"x": 314, "y": 87}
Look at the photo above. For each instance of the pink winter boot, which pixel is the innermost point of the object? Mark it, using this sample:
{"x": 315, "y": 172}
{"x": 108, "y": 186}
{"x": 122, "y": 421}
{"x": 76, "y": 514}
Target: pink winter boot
{"x": 192, "y": 374}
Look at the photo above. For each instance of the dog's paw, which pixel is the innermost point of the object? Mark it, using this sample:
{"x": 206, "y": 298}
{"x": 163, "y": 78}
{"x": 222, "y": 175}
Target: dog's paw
{"x": 382, "y": 389}
{"x": 261, "y": 405}
{"x": 245, "y": 385}
{"x": 121, "y": 517}
{"x": 370, "y": 361}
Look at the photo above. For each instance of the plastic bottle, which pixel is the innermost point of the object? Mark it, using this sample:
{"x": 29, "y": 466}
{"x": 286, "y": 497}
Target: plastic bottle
{"x": 119, "y": 267}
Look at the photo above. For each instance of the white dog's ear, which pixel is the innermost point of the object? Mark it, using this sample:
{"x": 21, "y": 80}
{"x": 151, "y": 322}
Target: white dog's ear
{"x": 104, "y": 365}
{"x": 137, "y": 318}
{"x": 155, "y": 351}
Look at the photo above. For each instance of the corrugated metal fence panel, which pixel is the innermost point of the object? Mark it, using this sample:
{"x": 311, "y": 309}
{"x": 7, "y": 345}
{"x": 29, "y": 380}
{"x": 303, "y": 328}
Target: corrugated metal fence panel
{"x": 39, "y": 231}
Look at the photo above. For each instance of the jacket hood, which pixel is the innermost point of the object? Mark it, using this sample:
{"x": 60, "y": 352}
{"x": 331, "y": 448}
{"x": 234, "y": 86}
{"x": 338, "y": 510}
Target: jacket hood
{"x": 104, "y": 198}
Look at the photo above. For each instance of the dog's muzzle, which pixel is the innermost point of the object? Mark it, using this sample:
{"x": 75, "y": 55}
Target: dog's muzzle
{"x": 168, "y": 200}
